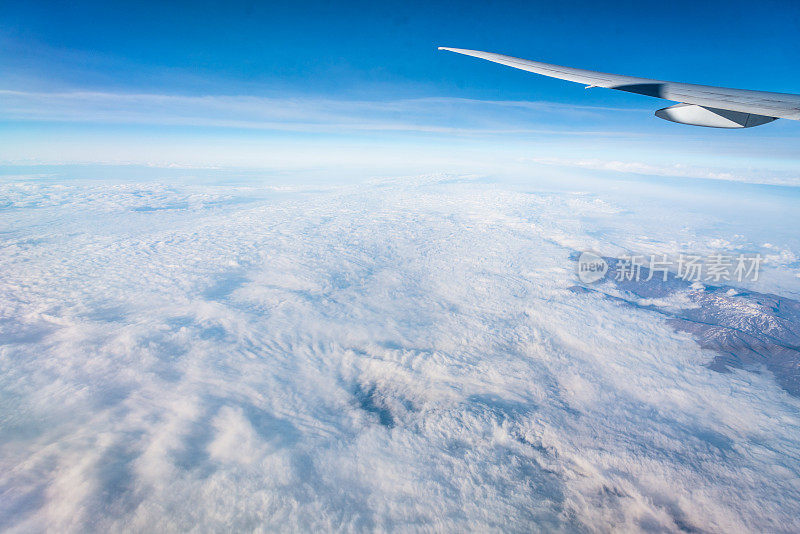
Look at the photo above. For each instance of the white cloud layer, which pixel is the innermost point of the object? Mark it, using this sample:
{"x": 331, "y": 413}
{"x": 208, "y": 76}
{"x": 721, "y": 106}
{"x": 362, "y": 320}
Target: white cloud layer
{"x": 399, "y": 355}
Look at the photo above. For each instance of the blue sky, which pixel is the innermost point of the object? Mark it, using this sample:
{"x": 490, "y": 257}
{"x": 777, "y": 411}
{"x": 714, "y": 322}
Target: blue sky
{"x": 250, "y": 78}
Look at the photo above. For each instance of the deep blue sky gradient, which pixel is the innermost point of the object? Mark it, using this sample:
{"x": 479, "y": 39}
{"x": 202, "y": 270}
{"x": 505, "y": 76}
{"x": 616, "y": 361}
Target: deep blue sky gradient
{"x": 371, "y": 49}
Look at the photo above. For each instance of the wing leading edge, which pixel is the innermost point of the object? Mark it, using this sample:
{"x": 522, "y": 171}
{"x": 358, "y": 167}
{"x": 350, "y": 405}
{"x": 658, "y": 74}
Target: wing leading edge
{"x": 700, "y": 105}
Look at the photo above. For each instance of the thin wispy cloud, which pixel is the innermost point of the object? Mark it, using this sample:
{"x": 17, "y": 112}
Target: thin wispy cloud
{"x": 678, "y": 170}
{"x": 402, "y": 136}
{"x": 458, "y": 116}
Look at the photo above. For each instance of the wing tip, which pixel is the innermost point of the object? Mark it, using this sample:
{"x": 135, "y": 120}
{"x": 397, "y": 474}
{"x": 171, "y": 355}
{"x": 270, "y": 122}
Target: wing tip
{"x": 465, "y": 51}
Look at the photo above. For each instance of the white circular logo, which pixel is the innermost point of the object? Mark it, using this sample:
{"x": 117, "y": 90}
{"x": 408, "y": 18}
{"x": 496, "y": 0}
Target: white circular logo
{"x": 591, "y": 267}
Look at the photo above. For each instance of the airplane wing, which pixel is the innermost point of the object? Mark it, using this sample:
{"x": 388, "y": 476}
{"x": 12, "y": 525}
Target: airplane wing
{"x": 700, "y": 105}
